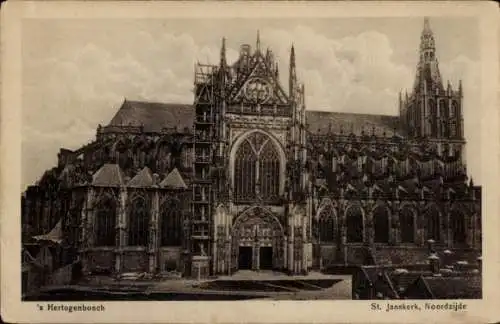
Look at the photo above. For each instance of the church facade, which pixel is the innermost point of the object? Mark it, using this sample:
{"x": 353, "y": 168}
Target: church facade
{"x": 248, "y": 178}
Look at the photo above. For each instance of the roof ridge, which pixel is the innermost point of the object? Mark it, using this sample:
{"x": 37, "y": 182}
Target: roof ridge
{"x": 348, "y": 113}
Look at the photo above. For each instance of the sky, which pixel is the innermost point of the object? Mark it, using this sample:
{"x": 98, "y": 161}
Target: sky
{"x": 76, "y": 73}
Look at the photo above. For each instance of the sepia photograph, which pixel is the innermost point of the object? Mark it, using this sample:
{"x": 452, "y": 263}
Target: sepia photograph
{"x": 252, "y": 159}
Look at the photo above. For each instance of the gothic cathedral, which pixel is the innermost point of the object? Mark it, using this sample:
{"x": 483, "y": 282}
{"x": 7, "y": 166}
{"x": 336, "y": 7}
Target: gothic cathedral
{"x": 248, "y": 178}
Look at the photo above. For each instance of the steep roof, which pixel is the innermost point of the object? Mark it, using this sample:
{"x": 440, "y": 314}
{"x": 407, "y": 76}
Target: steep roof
{"x": 143, "y": 178}
{"x": 55, "y": 235}
{"x": 154, "y": 116}
{"x": 455, "y": 287}
{"x": 320, "y": 122}
{"x": 109, "y": 175}
{"x": 173, "y": 181}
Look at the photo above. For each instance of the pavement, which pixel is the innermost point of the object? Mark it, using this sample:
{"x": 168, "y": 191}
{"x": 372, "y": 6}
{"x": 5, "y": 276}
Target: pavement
{"x": 241, "y": 285}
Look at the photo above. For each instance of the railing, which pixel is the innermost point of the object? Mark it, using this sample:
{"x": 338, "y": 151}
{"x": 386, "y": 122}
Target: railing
{"x": 203, "y": 159}
{"x": 265, "y": 110}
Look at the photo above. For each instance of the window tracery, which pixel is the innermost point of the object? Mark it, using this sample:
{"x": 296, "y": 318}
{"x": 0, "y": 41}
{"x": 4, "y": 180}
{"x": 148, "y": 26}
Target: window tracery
{"x": 355, "y": 225}
{"x": 327, "y": 225}
{"x": 171, "y": 223}
{"x": 407, "y": 225}
{"x": 381, "y": 225}
{"x": 105, "y": 222}
{"x": 257, "y": 169}
{"x": 458, "y": 228}
{"x": 433, "y": 222}
{"x": 138, "y": 223}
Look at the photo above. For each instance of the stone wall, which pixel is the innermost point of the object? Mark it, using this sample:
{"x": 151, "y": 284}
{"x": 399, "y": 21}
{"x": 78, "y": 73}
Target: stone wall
{"x": 170, "y": 259}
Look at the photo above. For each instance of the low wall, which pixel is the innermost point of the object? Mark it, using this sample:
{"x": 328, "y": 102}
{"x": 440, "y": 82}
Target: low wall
{"x": 170, "y": 259}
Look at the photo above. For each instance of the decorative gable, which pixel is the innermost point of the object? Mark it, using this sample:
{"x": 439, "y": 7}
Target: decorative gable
{"x": 174, "y": 180}
{"x": 109, "y": 175}
{"x": 143, "y": 178}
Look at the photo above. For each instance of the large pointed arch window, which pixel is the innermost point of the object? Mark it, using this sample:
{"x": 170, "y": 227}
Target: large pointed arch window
{"x": 171, "y": 223}
{"x": 138, "y": 222}
{"x": 432, "y": 217}
{"x": 407, "y": 225}
{"x": 327, "y": 225}
{"x": 355, "y": 225}
{"x": 257, "y": 169}
{"x": 381, "y": 225}
{"x": 105, "y": 222}
{"x": 458, "y": 226}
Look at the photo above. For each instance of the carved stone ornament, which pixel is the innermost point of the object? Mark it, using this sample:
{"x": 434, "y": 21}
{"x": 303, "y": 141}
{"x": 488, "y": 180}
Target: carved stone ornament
{"x": 258, "y": 90}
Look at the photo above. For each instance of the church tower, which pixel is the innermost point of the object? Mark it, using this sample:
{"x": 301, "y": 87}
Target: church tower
{"x": 432, "y": 110}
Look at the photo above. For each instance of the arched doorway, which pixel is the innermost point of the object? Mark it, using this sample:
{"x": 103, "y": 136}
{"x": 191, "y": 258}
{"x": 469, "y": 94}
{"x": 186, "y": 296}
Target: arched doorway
{"x": 257, "y": 241}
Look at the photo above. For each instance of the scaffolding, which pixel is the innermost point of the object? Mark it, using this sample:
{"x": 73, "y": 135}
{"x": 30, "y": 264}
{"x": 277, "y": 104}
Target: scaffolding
{"x": 202, "y": 188}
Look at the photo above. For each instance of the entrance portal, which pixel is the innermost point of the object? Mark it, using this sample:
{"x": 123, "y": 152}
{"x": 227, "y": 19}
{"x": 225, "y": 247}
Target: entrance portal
{"x": 266, "y": 258}
{"x": 257, "y": 241}
{"x": 245, "y": 258}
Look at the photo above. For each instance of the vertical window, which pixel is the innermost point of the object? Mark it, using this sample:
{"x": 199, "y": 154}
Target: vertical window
{"x": 269, "y": 170}
{"x": 187, "y": 157}
{"x": 105, "y": 222}
{"x": 455, "y": 108}
{"x": 245, "y": 172}
{"x": 381, "y": 225}
{"x": 361, "y": 161}
{"x": 138, "y": 223}
{"x": 443, "y": 108}
{"x": 407, "y": 225}
{"x": 164, "y": 158}
{"x": 433, "y": 230}
{"x": 171, "y": 223}
{"x": 257, "y": 162}
{"x": 355, "y": 225}
{"x": 327, "y": 225}
{"x": 458, "y": 229}
{"x": 334, "y": 164}
{"x": 433, "y": 118}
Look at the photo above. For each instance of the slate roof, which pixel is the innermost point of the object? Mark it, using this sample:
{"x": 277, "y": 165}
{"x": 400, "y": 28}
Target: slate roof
{"x": 174, "y": 180}
{"x": 143, "y": 178}
{"x": 454, "y": 287}
{"x": 55, "y": 235}
{"x": 404, "y": 280}
{"x": 109, "y": 175}
{"x": 384, "y": 256}
{"x": 380, "y": 279}
{"x": 154, "y": 116}
{"x": 319, "y": 122}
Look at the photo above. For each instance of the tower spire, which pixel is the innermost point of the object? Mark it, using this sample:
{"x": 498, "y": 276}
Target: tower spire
{"x": 223, "y": 53}
{"x": 427, "y": 68}
{"x": 257, "y": 45}
{"x": 293, "y": 74}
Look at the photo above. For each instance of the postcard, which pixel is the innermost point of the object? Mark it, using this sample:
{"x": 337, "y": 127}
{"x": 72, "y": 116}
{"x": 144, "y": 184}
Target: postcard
{"x": 249, "y": 162}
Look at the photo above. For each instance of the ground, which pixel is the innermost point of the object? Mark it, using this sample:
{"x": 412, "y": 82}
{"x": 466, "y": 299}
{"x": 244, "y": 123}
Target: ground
{"x": 242, "y": 285}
